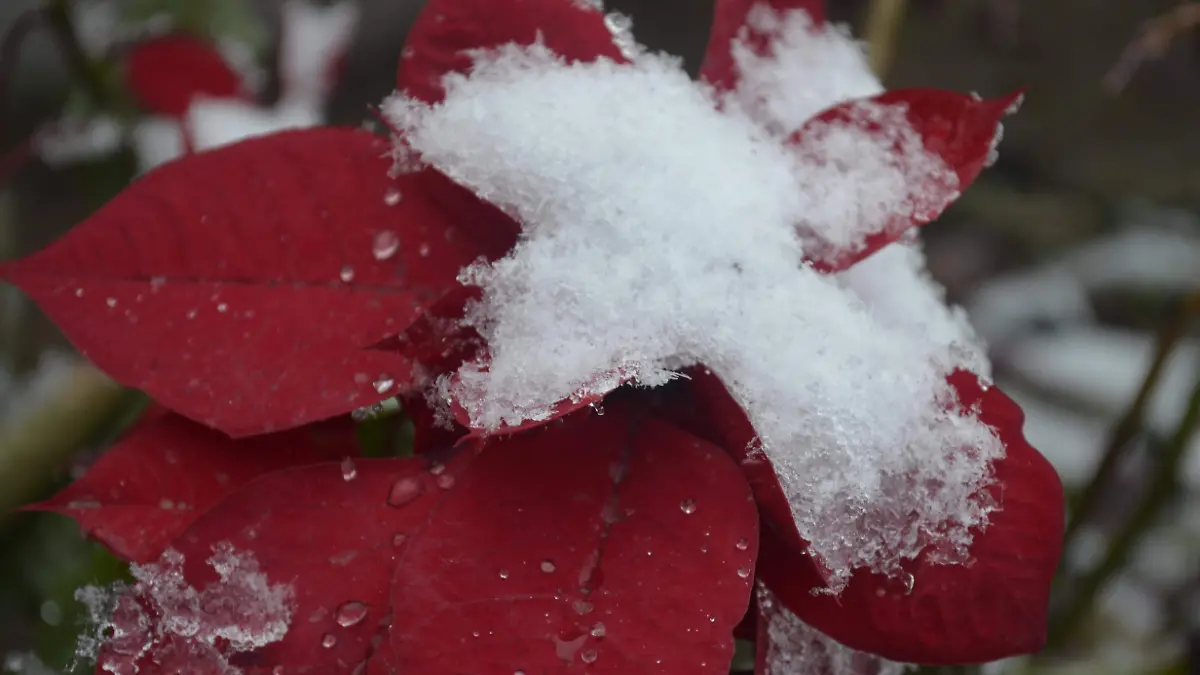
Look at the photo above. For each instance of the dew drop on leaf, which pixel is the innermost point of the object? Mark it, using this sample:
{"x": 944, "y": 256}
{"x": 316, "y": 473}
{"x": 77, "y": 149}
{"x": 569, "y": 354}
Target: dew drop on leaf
{"x": 583, "y": 607}
{"x": 744, "y": 572}
{"x": 79, "y": 292}
{"x": 111, "y": 302}
{"x": 589, "y": 655}
{"x": 349, "y": 471}
{"x": 329, "y": 641}
{"x": 548, "y": 566}
{"x": 398, "y": 540}
{"x": 386, "y": 244}
{"x": 445, "y": 481}
{"x": 598, "y": 630}
{"x": 503, "y": 574}
{"x": 383, "y": 383}
{"x": 392, "y": 197}
{"x": 351, "y": 614}
{"x": 688, "y": 506}
{"x": 742, "y": 544}
{"x": 222, "y": 307}
{"x": 423, "y": 251}
{"x": 404, "y": 491}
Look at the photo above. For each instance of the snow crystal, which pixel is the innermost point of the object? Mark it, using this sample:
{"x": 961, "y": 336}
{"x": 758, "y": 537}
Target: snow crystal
{"x": 162, "y": 618}
{"x": 805, "y": 69}
{"x": 795, "y": 648}
{"x": 661, "y": 232}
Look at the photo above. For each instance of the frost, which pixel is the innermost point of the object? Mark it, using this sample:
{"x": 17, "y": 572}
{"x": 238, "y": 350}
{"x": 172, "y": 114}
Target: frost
{"x": 804, "y": 70}
{"x": 661, "y": 232}
{"x": 795, "y": 648}
{"x": 163, "y": 621}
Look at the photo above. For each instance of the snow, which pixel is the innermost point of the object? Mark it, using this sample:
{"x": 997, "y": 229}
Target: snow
{"x": 314, "y": 38}
{"x": 76, "y": 139}
{"x": 829, "y": 63}
{"x": 795, "y": 648}
{"x": 240, "y": 612}
{"x": 661, "y": 232}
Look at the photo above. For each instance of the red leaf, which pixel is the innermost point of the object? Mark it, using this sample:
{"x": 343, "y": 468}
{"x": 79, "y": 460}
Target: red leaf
{"x": 577, "y": 547}
{"x": 788, "y": 646}
{"x": 335, "y": 541}
{"x": 959, "y": 128}
{"x": 729, "y": 24}
{"x": 243, "y": 287}
{"x": 148, "y": 488}
{"x": 167, "y": 73}
{"x": 991, "y": 607}
{"x": 447, "y": 29}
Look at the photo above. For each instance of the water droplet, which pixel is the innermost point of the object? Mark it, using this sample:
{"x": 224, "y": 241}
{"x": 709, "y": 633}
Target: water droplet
{"x": 583, "y": 607}
{"x": 518, "y": 672}
{"x": 346, "y": 274}
{"x": 79, "y": 292}
{"x": 503, "y": 574}
{"x": 111, "y": 302}
{"x": 392, "y": 197}
{"x": 361, "y": 378}
{"x": 349, "y": 471}
{"x": 222, "y": 307}
{"x": 589, "y": 655}
{"x": 688, "y": 506}
{"x": 445, "y": 481}
{"x": 351, "y": 614}
{"x": 157, "y": 283}
{"x": 404, "y": 491}
{"x": 329, "y": 641}
{"x": 383, "y": 384}
{"x": 424, "y": 250}
{"x": 744, "y": 572}
{"x": 548, "y": 566}
{"x": 367, "y": 412}
{"x": 742, "y": 544}
{"x": 437, "y": 468}
{"x": 598, "y": 630}
{"x": 191, "y": 314}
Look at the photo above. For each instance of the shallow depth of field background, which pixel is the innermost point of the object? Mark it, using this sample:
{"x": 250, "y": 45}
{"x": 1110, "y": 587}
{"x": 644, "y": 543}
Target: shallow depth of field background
{"x": 1074, "y": 253}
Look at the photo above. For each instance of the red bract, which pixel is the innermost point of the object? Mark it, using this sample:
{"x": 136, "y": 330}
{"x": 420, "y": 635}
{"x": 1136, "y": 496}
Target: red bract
{"x": 289, "y": 279}
{"x": 166, "y": 74}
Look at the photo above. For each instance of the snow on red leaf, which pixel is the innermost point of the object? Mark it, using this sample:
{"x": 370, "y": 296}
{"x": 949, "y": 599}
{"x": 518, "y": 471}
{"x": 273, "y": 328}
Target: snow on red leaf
{"x": 991, "y": 607}
{"x": 729, "y": 25}
{"x": 960, "y": 129}
{"x": 334, "y": 540}
{"x": 788, "y": 646}
{"x": 167, "y": 73}
{"x": 165, "y": 474}
{"x": 581, "y": 546}
{"x": 447, "y": 30}
{"x": 244, "y": 287}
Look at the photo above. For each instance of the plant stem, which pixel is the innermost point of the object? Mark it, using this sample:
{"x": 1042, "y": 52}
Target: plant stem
{"x": 89, "y": 73}
{"x": 1163, "y": 487}
{"x": 1131, "y": 422}
{"x": 884, "y": 18}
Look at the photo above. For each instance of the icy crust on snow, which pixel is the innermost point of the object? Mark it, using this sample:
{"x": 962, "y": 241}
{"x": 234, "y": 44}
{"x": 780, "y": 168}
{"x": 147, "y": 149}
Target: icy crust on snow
{"x": 795, "y": 648}
{"x": 659, "y": 232}
{"x": 803, "y": 70}
{"x": 160, "y": 619}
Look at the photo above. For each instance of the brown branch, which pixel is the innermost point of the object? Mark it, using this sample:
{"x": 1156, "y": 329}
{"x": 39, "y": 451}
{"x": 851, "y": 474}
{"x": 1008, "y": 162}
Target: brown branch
{"x": 1152, "y": 42}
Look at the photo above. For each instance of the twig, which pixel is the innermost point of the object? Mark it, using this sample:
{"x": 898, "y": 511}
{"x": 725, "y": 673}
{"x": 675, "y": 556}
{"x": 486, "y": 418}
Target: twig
{"x": 884, "y": 18}
{"x": 10, "y": 56}
{"x": 1131, "y": 422}
{"x": 90, "y": 73}
{"x": 1155, "y": 38}
{"x": 1162, "y": 489}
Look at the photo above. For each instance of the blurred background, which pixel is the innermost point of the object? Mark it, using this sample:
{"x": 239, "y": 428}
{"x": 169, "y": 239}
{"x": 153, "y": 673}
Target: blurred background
{"x": 1077, "y": 256}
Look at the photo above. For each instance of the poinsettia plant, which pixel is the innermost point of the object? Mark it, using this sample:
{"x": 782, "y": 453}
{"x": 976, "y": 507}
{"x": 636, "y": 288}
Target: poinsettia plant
{"x": 675, "y": 367}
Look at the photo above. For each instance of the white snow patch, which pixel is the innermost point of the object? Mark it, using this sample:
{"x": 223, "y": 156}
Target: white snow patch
{"x": 795, "y": 648}
{"x": 77, "y": 139}
{"x": 314, "y": 38}
{"x": 660, "y": 232}
{"x": 804, "y": 70}
{"x": 162, "y": 618}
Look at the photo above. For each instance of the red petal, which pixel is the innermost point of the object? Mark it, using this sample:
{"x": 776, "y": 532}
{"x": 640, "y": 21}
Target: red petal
{"x": 242, "y": 287}
{"x": 335, "y": 541}
{"x": 992, "y": 607}
{"x": 167, "y": 73}
{"x": 574, "y": 546}
{"x": 958, "y": 128}
{"x": 447, "y": 29}
{"x": 729, "y": 24}
{"x": 148, "y": 488}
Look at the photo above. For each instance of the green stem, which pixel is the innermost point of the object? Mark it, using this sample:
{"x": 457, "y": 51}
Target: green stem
{"x": 1159, "y": 493}
{"x": 1131, "y": 422}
